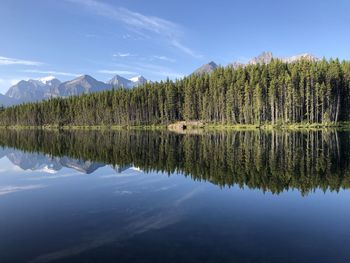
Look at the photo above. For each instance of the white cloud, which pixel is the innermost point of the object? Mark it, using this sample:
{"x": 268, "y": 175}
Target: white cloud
{"x": 15, "y": 61}
{"x": 114, "y": 72}
{"x": 58, "y": 73}
{"x": 139, "y": 23}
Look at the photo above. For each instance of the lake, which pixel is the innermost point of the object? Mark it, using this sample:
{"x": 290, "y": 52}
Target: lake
{"x": 142, "y": 196}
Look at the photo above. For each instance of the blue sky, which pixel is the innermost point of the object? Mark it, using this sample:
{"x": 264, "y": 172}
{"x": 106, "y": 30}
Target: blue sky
{"x": 158, "y": 38}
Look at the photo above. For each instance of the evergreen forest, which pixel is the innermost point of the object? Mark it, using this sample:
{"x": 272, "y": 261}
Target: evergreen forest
{"x": 275, "y": 93}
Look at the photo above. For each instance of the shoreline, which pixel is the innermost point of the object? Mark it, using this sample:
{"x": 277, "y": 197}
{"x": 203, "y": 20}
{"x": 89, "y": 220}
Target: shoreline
{"x": 190, "y": 127}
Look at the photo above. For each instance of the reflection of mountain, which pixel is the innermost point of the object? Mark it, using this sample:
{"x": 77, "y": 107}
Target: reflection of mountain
{"x": 49, "y": 164}
{"x": 34, "y": 161}
{"x": 4, "y": 152}
{"x": 120, "y": 169}
{"x": 87, "y": 167}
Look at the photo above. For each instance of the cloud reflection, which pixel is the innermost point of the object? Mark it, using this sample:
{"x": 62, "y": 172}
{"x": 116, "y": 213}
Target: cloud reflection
{"x": 4, "y": 190}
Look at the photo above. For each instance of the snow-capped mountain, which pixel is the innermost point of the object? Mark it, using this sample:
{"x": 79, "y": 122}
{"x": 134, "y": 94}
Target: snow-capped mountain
{"x": 119, "y": 81}
{"x": 50, "y": 87}
{"x": 34, "y": 89}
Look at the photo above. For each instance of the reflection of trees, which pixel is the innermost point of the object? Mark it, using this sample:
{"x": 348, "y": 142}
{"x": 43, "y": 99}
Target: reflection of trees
{"x": 270, "y": 161}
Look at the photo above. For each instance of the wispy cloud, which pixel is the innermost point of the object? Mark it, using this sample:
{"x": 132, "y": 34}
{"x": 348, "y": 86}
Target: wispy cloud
{"x": 122, "y": 55}
{"x": 114, "y": 72}
{"x": 139, "y": 23}
{"x": 50, "y": 72}
{"x": 164, "y": 58}
{"x": 185, "y": 49}
{"x": 15, "y": 61}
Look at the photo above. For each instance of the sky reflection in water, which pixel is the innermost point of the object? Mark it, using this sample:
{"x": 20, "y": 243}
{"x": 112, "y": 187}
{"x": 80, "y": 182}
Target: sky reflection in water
{"x": 67, "y": 210}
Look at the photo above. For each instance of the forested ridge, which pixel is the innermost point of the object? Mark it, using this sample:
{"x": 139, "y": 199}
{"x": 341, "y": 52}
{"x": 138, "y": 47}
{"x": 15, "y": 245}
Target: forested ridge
{"x": 276, "y": 93}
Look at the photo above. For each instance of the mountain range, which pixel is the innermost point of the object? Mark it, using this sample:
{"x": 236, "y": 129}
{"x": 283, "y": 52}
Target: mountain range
{"x": 50, "y": 87}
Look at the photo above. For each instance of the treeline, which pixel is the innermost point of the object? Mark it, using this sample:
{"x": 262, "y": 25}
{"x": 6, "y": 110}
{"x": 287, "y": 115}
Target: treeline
{"x": 269, "y": 161}
{"x": 276, "y": 93}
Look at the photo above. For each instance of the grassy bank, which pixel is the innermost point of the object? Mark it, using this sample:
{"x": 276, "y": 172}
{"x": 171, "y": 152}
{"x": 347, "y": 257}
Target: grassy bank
{"x": 87, "y": 127}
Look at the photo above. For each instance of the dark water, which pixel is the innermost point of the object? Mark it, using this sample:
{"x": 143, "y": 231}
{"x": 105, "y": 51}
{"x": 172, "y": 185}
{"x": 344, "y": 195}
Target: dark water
{"x": 132, "y": 196}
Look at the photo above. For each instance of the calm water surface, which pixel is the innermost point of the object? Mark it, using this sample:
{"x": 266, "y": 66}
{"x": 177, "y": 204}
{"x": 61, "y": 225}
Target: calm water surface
{"x": 160, "y": 197}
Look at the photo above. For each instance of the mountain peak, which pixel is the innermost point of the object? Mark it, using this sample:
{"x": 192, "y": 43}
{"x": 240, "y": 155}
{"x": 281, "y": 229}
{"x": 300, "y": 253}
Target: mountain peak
{"x": 87, "y": 77}
{"x": 119, "y": 81}
{"x": 206, "y": 68}
{"x": 213, "y": 64}
{"x": 81, "y": 85}
{"x": 264, "y": 58}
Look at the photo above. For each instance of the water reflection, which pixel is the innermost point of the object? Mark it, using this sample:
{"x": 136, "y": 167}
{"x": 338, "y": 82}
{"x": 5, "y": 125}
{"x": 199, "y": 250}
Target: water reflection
{"x": 162, "y": 197}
